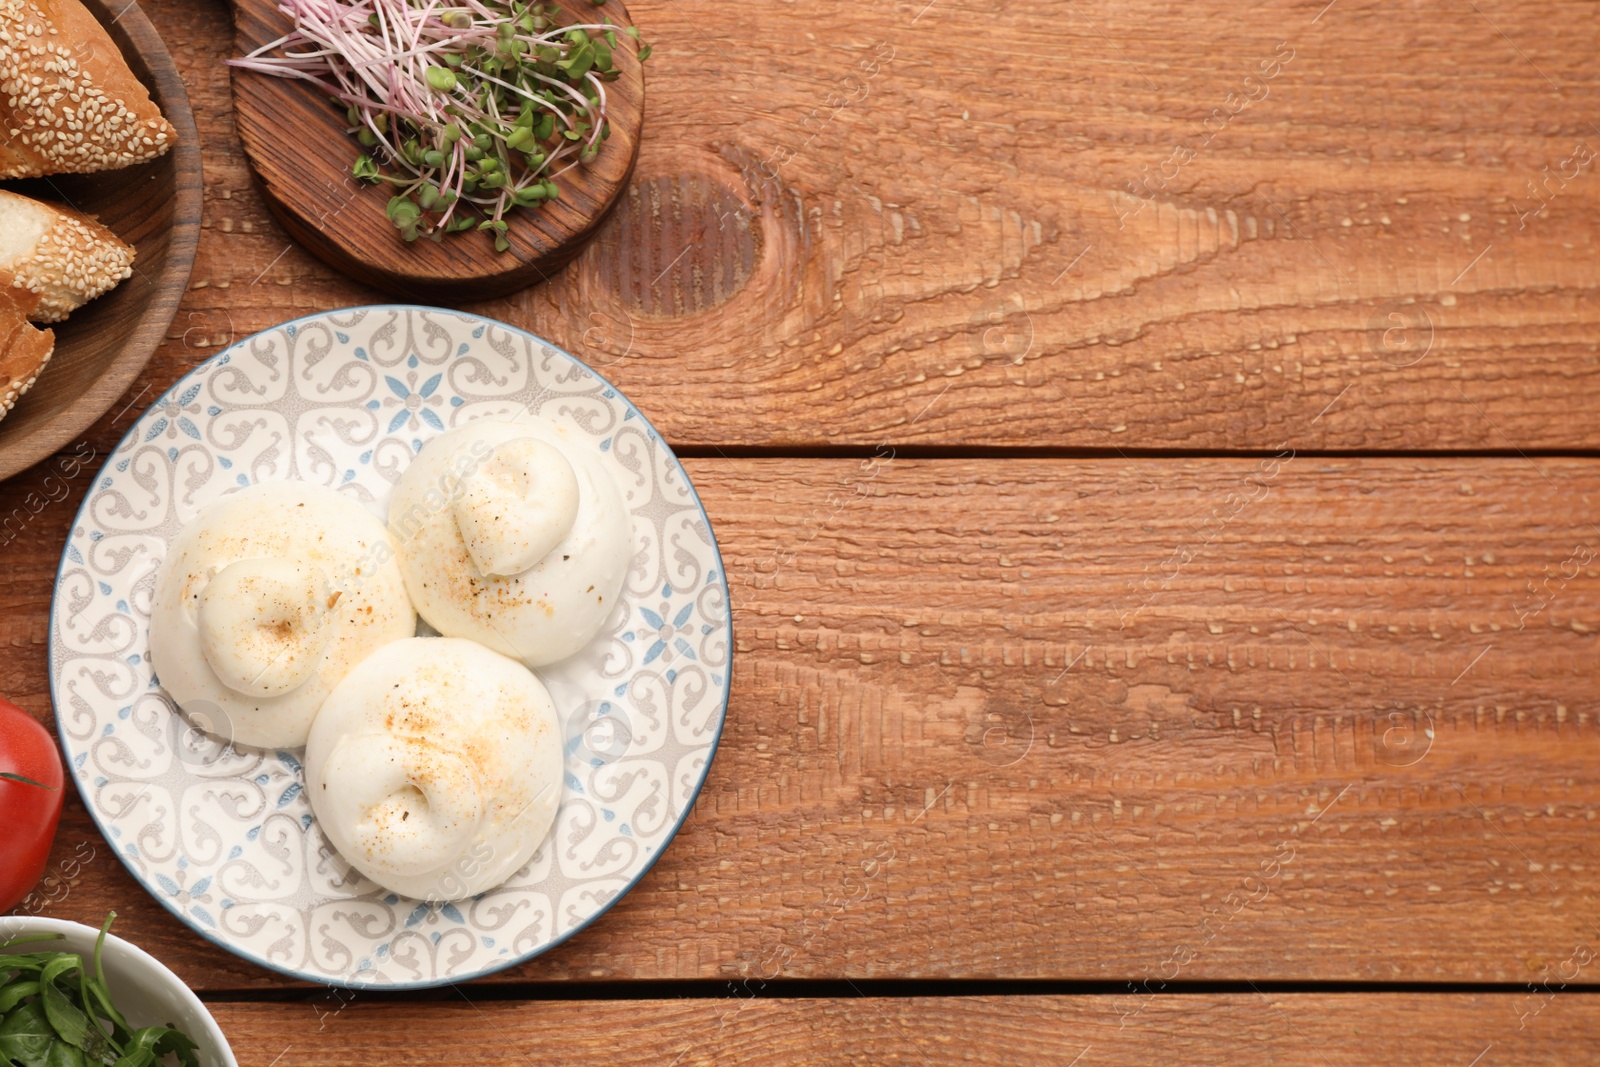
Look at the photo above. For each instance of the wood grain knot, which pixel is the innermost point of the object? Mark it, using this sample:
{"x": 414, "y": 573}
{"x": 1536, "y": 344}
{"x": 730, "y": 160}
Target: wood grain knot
{"x": 683, "y": 244}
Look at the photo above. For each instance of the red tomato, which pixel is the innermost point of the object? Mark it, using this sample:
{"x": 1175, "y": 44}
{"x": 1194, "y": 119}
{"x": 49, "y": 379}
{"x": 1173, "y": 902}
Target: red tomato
{"x": 28, "y": 813}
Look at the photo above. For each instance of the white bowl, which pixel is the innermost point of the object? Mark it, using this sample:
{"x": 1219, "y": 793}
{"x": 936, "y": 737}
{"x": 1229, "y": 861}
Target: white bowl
{"x": 141, "y": 988}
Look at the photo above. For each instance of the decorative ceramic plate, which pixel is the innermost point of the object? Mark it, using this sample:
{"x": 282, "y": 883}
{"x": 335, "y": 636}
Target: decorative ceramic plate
{"x": 224, "y": 837}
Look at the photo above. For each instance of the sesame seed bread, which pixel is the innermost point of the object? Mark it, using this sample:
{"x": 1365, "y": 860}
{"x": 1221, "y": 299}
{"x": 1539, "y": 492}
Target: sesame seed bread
{"x": 24, "y": 351}
{"x": 68, "y": 102}
{"x": 53, "y": 260}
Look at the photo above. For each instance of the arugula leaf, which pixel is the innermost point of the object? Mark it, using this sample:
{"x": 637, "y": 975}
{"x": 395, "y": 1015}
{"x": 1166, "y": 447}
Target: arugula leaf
{"x": 150, "y": 1044}
{"x": 64, "y": 1055}
{"x": 102, "y": 1007}
{"x": 26, "y": 1036}
{"x": 33, "y": 961}
{"x": 54, "y": 1011}
{"x": 177, "y": 1043}
{"x": 141, "y": 1048}
{"x": 15, "y": 994}
{"x": 68, "y": 1019}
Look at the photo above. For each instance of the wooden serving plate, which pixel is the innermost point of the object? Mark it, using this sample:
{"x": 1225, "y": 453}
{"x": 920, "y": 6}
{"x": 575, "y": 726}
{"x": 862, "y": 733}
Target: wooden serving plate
{"x": 296, "y": 143}
{"x": 155, "y": 207}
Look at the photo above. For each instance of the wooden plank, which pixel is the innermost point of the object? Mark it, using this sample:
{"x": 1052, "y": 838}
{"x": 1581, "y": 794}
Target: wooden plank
{"x": 995, "y": 232}
{"x": 1216, "y": 681}
{"x": 1316, "y": 1029}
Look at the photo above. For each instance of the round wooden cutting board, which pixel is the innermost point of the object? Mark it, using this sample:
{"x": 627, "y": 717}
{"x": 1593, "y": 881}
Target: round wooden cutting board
{"x": 296, "y": 143}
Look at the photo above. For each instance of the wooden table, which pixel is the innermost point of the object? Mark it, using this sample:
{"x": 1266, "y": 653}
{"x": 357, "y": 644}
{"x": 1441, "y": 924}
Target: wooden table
{"x": 1149, "y": 448}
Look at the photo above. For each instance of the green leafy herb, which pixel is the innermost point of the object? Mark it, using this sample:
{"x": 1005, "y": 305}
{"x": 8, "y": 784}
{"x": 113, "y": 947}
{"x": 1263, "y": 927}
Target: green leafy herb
{"x": 55, "y": 1013}
{"x": 26, "y": 1035}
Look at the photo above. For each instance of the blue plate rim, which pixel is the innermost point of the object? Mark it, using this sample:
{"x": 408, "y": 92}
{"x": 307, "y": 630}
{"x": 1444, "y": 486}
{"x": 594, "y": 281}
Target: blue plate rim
{"x": 716, "y": 741}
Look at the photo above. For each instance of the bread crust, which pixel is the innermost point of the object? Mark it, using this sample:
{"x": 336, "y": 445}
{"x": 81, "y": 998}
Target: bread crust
{"x": 87, "y": 113}
{"x": 24, "y": 351}
{"x": 73, "y": 260}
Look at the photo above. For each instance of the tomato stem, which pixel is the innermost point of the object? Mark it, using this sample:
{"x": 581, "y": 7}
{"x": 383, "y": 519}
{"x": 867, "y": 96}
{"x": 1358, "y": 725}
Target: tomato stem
{"x": 24, "y": 780}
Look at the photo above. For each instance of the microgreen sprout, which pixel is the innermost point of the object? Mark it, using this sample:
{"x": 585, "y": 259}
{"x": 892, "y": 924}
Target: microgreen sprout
{"x": 467, "y": 109}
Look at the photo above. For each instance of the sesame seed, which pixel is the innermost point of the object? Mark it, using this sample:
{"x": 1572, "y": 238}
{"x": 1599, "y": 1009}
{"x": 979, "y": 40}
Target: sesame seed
{"x": 49, "y": 137}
